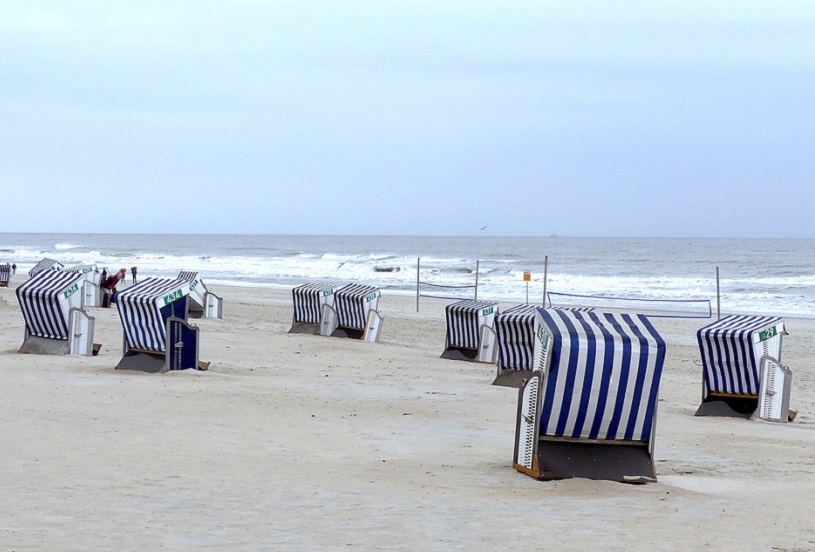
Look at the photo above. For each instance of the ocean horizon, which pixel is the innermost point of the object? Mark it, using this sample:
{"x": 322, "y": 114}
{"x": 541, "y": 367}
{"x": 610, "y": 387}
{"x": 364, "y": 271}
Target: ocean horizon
{"x": 756, "y": 275}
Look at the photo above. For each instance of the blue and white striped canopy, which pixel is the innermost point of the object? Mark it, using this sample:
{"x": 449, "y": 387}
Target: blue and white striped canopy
{"x": 514, "y": 330}
{"x": 5, "y": 272}
{"x": 729, "y": 360}
{"x": 143, "y": 309}
{"x": 307, "y": 301}
{"x": 350, "y": 302}
{"x": 196, "y": 299}
{"x": 45, "y": 264}
{"x": 88, "y": 272}
{"x": 187, "y": 275}
{"x": 602, "y": 378}
{"x": 462, "y": 322}
{"x": 46, "y": 300}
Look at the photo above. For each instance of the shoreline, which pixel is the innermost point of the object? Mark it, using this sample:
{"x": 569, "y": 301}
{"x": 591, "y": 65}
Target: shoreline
{"x": 293, "y": 441}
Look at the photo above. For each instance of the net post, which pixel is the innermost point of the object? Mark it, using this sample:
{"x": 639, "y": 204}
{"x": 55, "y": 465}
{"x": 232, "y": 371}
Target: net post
{"x": 718, "y": 297}
{"x": 545, "y": 275}
{"x": 477, "y": 263}
{"x": 418, "y": 262}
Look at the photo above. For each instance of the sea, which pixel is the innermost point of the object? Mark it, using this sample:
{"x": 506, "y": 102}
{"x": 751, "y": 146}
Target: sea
{"x": 665, "y": 275}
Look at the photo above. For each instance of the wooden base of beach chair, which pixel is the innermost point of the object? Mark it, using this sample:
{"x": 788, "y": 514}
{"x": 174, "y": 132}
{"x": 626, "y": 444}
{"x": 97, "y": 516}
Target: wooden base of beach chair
{"x": 512, "y": 378}
{"x": 305, "y": 328}
{"x": 44, "y": 346}
{"x": 460, "y": 353}
{"x": 728, "y": 406}
{"x": 143, "y": 362}
{"x": 607, "y": 460}
{"x": 96, "y": 348}
{"x": 195, "y": 314}
{"x": 351, "y": 333}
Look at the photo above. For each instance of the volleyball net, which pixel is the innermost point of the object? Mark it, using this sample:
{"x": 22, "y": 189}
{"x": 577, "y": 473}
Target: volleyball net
{"x": 453, "y": 292}
{"x": 664, "y": 308}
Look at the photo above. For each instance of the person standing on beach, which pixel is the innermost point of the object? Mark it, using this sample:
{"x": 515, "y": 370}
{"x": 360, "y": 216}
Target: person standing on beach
{"x": 133, "y": 274}
{"x": 14, "y": 269}
{"x": 109, "y": 287}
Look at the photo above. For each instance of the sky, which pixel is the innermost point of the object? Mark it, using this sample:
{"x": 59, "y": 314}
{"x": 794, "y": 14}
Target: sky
{"x": 687, "y": 118}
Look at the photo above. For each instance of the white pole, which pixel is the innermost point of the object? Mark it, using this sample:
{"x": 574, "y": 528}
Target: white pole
{"x": 477, "y": 263}
{"x": 718, "y": 297}
{"x": 418, "y": 262}
{"x": 545, "y": 275}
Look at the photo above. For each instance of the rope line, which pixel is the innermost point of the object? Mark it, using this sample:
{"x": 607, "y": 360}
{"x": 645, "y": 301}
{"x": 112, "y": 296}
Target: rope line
{"x": 448, "y": 287}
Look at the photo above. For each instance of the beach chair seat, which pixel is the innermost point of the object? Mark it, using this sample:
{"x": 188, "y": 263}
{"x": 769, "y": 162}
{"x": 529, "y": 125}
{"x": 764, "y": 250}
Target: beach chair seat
{"x": 470, "y": 331}
{"x": 157, "y": 336}
{"x": 91, "y": 285}
{"x": 354, "y": 314}
{"x": 43, "y": 265}
{"x": 202, "y": 303}
{"x": 732, "y": 349}
{"x": 589, "y": 407}
{"x": 55, "y": 322}
{"x": 309, "y": 300}
{"x": 515, "y": 339}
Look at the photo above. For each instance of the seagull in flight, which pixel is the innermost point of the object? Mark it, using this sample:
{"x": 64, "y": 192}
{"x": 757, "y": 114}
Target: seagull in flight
{"x": 483, "y": 227}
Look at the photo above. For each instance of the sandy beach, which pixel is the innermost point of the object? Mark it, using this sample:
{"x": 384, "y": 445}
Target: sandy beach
{"x": 300, "y": 442}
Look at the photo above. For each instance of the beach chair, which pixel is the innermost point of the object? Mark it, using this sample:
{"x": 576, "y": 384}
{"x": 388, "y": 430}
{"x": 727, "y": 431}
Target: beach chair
{"x": 91, "y": 285}
{"x": 55, "y": 322}
{"x": 735, "y": 350}
{"x": 5, "y": 274}
{"x": 470, "y": 333}
{"x": 354, "y": 313}
{"x": 202, "y": 302}
{"x": 45, "y": 264}
{"x": 515, "y": 339}
{"x": 589, "y": 408}
{"x": 157, "y": 337}
{"x": 309, "y": 300}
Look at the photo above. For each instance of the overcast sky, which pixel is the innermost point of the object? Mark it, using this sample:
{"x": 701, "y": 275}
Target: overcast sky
{"x": 576, "y": 118}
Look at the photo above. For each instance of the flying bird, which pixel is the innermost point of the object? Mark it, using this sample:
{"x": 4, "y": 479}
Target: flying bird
{"x": 483, "y": 227}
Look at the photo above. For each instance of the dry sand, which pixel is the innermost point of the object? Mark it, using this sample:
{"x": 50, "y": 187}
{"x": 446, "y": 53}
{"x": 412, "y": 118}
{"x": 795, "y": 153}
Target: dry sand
{"x": 300, "y": 442}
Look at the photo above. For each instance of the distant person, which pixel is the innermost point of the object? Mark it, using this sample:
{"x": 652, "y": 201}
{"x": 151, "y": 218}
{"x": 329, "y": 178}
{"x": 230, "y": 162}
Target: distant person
{"x": 14, "y": 269}
{"x": 133, "y": 273}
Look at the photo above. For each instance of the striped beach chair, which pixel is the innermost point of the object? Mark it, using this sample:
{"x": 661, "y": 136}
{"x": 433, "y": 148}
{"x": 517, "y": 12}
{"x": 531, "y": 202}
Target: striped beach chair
{"x": 733, "y": 350}
{"x": 91, "y": 285}
{"x": 202, "y": 302}
{"x": 309, "y": 301}
{"x": 45, "y": 264}
{"x": 470, "y": 332}
{"x": 355, "y": 313}
{"x": 515, "y": 337}
{"x": 589, "y": 408}
{"x": 157, "y": 337}
{"x": 5, "y": 274}
{"x": 55, "y": 322}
